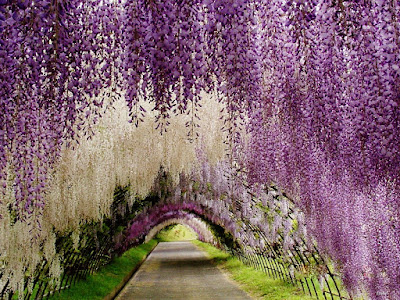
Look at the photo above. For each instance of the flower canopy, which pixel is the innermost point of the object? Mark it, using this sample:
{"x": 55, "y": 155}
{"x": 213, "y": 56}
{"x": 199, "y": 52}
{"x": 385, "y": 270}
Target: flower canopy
{"x": 303, "y": 95}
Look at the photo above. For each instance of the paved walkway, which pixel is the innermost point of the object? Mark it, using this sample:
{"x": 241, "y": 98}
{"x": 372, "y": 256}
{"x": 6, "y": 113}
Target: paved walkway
{"x": 179, "y": 270}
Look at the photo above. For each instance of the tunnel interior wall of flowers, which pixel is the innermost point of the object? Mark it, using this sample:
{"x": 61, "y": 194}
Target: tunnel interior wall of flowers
{"x": 269, "y": 235}
{"x": 245, "y": 104}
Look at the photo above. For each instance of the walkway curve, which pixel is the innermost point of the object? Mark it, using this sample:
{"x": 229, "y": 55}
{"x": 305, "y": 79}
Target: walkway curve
{"x": 179, "y": 270}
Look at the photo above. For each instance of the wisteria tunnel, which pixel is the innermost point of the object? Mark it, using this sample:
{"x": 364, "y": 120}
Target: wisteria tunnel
{"x": 269, "y": 127}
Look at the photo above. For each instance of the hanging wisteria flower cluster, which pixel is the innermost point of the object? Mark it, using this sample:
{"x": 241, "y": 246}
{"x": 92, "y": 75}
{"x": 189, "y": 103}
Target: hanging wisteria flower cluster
{"x": 207, "y": 193}
{"x": 315, "y": 85}
{"x": 54, "y": 56}
{"x": 83, "y": 182}
{"x": 330, "y": 135}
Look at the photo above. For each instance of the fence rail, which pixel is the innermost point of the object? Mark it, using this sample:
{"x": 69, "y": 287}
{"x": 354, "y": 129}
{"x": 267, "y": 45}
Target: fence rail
{"x": 299, "y": 264}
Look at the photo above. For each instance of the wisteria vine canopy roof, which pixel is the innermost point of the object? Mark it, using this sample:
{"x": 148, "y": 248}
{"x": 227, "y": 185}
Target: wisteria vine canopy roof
{"x": 300, "y": 94}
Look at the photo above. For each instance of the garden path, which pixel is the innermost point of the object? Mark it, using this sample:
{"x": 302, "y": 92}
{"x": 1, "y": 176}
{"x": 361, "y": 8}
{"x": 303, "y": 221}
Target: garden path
{"x": 180, "y": 270}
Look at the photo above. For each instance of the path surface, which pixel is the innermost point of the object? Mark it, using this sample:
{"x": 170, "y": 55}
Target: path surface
{"x": 179, "y": 270}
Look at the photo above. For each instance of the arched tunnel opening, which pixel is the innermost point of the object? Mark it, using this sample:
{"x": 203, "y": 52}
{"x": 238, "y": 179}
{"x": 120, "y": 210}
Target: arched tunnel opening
{"x": 274, "y": 123}
{"x": 181, "y": 229}
{"x": 174, "y": 230}
{"x": 274, "y": 241}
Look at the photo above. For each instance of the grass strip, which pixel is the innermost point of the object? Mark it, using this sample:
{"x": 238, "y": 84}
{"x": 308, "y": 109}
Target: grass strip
{"x": 175, "y": 233}
{"x": 254, "y": 282}
{"x": 109, "y": 278}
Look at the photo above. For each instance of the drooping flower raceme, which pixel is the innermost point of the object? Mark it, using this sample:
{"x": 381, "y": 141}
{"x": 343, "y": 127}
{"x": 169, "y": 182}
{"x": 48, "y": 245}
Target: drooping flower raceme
{"x": 314, "y": 84}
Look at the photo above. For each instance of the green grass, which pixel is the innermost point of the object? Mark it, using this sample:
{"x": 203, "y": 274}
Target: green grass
{"x": 176, "y": 233}
{"x": 100, "y": 284}
{"x": 254, "y": 282}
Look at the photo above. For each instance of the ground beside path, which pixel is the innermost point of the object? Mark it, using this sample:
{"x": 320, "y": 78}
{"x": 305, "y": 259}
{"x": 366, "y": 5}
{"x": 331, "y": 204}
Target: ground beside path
{"x": 179, "y": 270}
